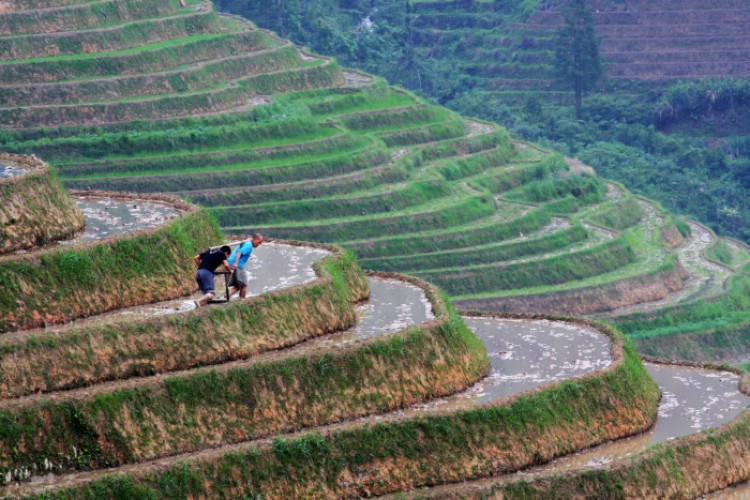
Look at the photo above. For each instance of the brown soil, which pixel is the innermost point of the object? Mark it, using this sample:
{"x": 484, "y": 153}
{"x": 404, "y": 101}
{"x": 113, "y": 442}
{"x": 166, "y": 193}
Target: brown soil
{"x": 36, "y": 210}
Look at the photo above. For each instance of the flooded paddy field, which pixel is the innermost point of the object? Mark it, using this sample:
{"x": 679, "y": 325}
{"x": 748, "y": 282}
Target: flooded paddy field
{"x": 107, "y": 217}
{"x": 525, "y": 354}
{"x": 694, "y": 400}
{"x": 272, "y": 267}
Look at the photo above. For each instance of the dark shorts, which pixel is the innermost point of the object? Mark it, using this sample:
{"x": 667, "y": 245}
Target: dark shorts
{"x": 239, "y": 278}
{"x": 205, "y": 279}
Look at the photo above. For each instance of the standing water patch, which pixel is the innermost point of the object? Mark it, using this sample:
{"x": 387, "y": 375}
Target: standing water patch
{"x": 393, "y": 306}
{"x": 7, "y": 171}
{"x": 525, "y": 354}
{"x": 112, "y": 217}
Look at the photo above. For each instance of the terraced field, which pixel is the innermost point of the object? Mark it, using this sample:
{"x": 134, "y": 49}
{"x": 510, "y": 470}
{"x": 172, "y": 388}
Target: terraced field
{"x": 270, "y": 138}
{"x": 509, "y": 55}
{"x": 273, "y": 139}
{"x": 668, "y": 39}
{"x": 306, "y": 390}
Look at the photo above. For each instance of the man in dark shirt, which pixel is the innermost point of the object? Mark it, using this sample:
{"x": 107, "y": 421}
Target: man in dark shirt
{"x": 207, "y": 262}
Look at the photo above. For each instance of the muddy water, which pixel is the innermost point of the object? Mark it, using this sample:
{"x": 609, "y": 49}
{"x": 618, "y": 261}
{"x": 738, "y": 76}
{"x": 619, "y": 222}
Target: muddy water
{"x": 7, "y": 171}
{"x": 107, "y": 217}
{"x": 525, "y": 354}
{"x": 272, "y": 267}
{"x": 393, "y": 306}
{"x": 112, "y": 217}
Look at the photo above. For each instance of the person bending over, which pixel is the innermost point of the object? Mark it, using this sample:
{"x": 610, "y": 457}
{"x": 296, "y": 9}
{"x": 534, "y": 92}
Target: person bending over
{"x": 238, "y": 261}
{"x": 207, "y": 263}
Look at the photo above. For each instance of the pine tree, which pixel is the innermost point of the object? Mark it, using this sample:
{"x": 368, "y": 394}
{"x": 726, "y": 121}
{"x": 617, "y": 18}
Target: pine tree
{"x": 577, "y": 60}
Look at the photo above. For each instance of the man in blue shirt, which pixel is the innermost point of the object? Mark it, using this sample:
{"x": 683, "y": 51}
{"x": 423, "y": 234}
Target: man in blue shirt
{"x": 238, "y": 261}
{"x": 207, "y": 263}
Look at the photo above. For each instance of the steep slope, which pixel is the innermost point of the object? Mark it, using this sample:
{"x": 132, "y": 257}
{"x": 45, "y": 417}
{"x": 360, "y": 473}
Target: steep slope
{"x": 295, "y": 392}
{"x": 477, "y": 37}
{"x": 271, "y": 138}
{"x": 164, "y": 399}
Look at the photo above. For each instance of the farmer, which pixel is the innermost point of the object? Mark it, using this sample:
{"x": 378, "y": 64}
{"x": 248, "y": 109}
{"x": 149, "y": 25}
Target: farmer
{"x": 207, "y": 263}
{"x": 238, "y": 261}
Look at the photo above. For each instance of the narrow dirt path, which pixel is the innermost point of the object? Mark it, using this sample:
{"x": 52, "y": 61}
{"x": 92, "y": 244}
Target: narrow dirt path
{"x": 475, "y": 128}
{"x": 357, "y": 80}
{"x": 706, "y": 280}
{"x": 739, "y": 492}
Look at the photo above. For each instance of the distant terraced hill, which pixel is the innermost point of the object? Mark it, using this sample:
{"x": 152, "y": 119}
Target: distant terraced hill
{"x": 271, "y": 138}
{"x": 641, "y": 40}
{"x": 668, "y": 39}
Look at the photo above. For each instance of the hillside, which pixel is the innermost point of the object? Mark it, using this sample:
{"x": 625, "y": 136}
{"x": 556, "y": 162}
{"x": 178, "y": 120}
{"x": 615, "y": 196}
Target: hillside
{"x": 301, "y": 391}
{"x": 640, "y": 40}
{"x": 271, "y": 138}
{"x": 646, "y": 40}
{"x": 494, "y": 60}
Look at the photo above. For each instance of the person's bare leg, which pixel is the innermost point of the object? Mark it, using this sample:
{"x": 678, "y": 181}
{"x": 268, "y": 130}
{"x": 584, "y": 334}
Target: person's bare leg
{"x": 204, "y": 300}
{"x": 243, "y": 292}
{"x": 232, "y": 291}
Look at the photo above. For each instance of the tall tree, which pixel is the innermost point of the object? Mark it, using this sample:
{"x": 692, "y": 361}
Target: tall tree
{"x": 577, "y": 60}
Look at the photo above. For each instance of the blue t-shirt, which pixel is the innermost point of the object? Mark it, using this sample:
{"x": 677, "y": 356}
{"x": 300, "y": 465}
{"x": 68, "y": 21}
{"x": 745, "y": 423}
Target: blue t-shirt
{"x": 246, "y": 247}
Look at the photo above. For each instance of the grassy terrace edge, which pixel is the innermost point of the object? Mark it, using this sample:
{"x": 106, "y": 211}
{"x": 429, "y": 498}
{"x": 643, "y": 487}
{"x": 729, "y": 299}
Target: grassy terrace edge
{"x": 205, "y": 408}
{"x": 36, "y": 209}
{"x": 204, "y": 101}
{"x": 51, "y": 361}
{"x": 58, "y": 284}
{"x": 371, "y": 459}
{"x": 642, "y": 285}
{"x": 686, "y": 467}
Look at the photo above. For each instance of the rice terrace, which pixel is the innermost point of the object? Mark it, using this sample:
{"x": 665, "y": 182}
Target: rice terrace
{"x": 442, "y": 308}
